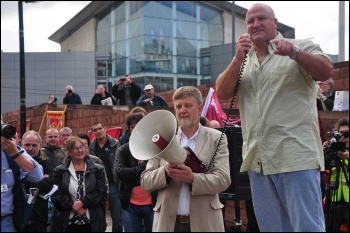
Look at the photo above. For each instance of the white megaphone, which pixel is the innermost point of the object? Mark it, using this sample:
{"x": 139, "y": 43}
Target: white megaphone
{"x": 154, "y": 135}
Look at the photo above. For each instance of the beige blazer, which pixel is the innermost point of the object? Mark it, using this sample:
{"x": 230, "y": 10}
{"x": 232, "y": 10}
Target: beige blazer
{"x": 205, "y": 206}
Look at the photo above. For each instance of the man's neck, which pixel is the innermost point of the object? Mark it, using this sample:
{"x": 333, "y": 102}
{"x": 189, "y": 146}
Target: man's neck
{"x": 101, "y": 141}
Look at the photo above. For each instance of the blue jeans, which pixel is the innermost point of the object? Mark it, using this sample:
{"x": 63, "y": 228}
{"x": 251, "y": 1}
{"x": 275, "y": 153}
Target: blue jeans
{"x": 138, "y": 218}
{"x": 7, "y": 224}
{"x": 288, "y": 201}
{"x": 115, "y": 208}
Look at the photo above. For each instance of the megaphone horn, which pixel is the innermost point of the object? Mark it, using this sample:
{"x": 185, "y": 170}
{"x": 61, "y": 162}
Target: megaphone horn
{"x": 154, "y": 135}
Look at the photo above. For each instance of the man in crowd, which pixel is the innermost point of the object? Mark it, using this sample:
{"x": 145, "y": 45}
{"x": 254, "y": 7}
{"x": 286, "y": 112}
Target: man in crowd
{"x": 150, "y": 98}
{"x": 126, "y": 91}
{"x": 52, "y": 150}
{"x": 38, "y": 219}
{"x": 70, "y": 97}
{"x": 189, "y": 201}
{"x": 105, "y": 147}
{"x": 16, "y": 164}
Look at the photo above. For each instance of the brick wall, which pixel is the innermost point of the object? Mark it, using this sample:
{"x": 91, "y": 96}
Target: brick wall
{"x": 80, "y": 117}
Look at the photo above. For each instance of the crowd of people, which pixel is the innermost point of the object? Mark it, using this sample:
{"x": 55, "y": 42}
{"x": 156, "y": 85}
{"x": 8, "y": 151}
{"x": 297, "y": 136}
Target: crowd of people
{"x": 71, "y": 180}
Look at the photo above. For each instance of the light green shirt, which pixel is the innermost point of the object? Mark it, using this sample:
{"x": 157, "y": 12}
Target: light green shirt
{"x": 278, "y": 111}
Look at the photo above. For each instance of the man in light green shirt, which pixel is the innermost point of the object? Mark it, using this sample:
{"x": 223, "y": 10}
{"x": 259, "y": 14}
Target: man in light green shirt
{"x": 282, "y": 149}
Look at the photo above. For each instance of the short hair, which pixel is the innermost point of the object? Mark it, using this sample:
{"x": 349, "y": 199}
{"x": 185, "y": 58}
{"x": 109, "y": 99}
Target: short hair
{"x": 96, "y": 123}
{"x": 66, "y": 129}
{"x": 204, "y": 121}
{"x": 133, "y": 118}
{"x": 33, "y": 132}
{"x": 188, "y": 91}
{"x": 342, "y": 122}
{"x": 138, "y": 109}
{"x": 85, "y": 136}
{"x": 52, "y": 130}
{"x": 70, "y": 87}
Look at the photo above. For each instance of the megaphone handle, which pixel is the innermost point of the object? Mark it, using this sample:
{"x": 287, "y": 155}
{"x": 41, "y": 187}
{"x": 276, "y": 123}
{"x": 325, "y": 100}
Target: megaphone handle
{"x": 160, "y": 141}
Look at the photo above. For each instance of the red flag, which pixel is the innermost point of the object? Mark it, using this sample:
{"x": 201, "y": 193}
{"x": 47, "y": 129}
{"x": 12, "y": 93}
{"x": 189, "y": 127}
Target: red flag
{"x": 212, "y": 110}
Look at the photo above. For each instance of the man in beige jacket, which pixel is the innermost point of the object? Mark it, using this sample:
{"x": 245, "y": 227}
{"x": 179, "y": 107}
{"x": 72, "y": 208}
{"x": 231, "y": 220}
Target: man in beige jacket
{"x": 189, "y": 201}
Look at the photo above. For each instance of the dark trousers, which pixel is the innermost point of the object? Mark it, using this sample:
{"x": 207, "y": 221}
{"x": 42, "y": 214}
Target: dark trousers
{"x": 79, "y": 228}
{"x": 36, "y": 227}
{"x": 182, "y": 227}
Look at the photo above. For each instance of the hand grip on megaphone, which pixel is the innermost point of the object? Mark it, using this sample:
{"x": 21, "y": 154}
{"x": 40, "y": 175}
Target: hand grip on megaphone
{"x": 191, "y": 160}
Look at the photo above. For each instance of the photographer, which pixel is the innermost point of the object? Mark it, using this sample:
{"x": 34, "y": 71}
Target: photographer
{"x": 337, "y": 162}
{"x": 52, "y": 101}
{"x": 16, "y": 164}
{"x": 70, "y": 97}
{"x": 126, "y": 91}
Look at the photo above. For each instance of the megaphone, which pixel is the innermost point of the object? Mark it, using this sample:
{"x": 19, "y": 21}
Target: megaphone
{"x": 155, "y": 135}
{"x": 143, "y": 144}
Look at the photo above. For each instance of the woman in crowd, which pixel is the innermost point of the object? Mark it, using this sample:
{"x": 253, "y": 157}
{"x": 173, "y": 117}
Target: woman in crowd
{"x": 82, "y": 190}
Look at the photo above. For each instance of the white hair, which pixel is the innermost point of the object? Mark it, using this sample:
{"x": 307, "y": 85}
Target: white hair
{"x": 70, "y": 87}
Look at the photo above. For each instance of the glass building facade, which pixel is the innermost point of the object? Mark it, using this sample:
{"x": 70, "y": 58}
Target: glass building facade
{"x": 157, "y": 42}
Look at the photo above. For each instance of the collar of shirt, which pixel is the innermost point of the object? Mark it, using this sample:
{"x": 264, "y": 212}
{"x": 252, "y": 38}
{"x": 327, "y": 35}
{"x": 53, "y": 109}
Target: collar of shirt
{"x": 184, "y": 141}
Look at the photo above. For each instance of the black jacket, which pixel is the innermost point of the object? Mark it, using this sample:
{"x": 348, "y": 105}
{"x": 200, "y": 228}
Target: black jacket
{"x": 118, "y": 92}
{"x": 96, "y": 99}
{"x": 94, "y": 198}
{"x": 40, "y": 208}
{"x": 128, "y": 171}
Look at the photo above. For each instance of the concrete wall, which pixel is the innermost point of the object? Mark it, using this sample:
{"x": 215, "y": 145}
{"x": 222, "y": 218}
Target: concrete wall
{"x": 84, "y": 39}
{"x": 45, "y": 74}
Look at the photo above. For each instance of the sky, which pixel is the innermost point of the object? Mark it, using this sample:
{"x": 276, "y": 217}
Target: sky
{"x": 318, "y": 21}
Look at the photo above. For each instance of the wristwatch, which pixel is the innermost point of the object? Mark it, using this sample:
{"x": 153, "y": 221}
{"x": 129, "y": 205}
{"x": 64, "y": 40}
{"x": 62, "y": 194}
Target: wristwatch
{"x": 17, "y": 154}
{"x": 296, "y": 52}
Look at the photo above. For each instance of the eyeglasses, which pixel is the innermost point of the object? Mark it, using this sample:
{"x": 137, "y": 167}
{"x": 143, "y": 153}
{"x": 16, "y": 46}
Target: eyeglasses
{"x": 28, "y": 145}
{"x": 79, "y": 148}
{"x": 95, "y": 129}
{"x": 52, "y": 136}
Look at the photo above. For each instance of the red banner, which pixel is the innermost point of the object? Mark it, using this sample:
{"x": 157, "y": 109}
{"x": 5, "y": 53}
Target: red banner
{"x": 55, "y": 119}
{"x": 212, "y": 111}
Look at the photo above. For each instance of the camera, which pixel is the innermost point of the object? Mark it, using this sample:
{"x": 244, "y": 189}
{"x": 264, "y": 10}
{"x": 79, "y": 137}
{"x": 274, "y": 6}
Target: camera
{"x": 70, "y": 91}
{"x": 8, "y": 131}
{"x": 123, "y": 79}
{"x": 334, "y": 145}
{"x": 55, "y": 100}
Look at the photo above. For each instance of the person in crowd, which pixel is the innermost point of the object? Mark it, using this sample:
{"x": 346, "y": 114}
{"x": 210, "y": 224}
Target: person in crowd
{"x": 281, "y": 148}
{"x": 70, "y": 97}
{"x": 337, "y": 162}
{"x": 124, "y": 138}
{"x": 204, "y": 121}
{"x": 52, "y": 101}
{"x": 17, "y": 139}
{"x": 188, "y": 201}
{"x": 38, "y": 219}
{"x": 137, "y": 208}
{"x": 65, "y": 133}
{"x": 105, "y": 147}
{"x": 86, "y": 140}
{"x": 52, "y": 150}
{"x": 126, "y": 91}
{"x": 102, "y": 97}
{"x": 150, "y": 98}
{"x": 325, "y": 95}
{"x": 214, "y": 124}
{"x": 16, "y": 164}
{"x": 82, "y": 190}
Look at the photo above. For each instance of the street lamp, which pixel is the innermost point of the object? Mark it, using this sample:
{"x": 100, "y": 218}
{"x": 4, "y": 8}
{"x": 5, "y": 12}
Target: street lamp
{"x": 22, "y": 82}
